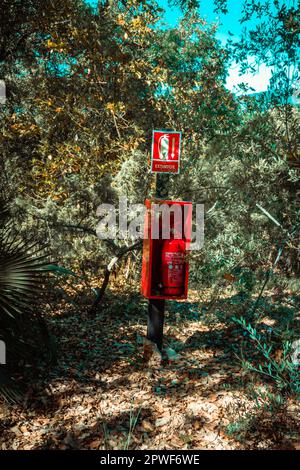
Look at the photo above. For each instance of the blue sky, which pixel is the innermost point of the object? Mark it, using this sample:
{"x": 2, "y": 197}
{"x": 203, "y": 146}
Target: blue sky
{"x": 228, "y": 22}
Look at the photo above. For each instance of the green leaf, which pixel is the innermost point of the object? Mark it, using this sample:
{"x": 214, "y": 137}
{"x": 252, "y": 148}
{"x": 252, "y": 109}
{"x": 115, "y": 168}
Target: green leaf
{"x": 269, "y": 215}
{"x": 59, "y": 270}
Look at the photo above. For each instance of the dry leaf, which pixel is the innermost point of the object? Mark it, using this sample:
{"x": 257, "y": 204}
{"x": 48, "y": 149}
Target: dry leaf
{"x": 147, "y": 426}
{"x": 95, "y": 444}
{"x": 197, "y": 424}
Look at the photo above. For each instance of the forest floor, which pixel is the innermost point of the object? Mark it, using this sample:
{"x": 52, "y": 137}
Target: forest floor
{"x": 102, "y": 395}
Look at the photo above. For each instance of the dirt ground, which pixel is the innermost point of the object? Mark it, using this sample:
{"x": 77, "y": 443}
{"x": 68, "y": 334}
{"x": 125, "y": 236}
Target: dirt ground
{"x": 101, "y": 394}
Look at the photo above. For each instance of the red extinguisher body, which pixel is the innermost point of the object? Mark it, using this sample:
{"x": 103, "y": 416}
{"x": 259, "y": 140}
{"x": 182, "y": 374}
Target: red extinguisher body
{"x": 173, "y": 267}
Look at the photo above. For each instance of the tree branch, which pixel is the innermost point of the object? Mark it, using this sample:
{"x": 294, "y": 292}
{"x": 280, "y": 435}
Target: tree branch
{"x": 109, "y": 269}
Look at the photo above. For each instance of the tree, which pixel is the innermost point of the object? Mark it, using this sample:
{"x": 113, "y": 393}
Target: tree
{"x": 97, "y": 84}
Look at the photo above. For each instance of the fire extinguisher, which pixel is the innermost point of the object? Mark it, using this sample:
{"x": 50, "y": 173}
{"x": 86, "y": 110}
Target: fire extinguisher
{"x": 173, "y": 266}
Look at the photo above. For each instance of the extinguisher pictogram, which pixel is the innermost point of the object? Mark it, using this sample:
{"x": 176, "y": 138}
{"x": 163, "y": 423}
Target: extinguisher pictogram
{"x": 166, "y": 147}
{"x": 173, "y": 266}
{"x": 163, "y": 147}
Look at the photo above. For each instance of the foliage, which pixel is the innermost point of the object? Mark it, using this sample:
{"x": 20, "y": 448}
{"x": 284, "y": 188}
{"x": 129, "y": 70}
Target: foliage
{"x": 23, "y": 329}
{"x": 283, "y": 373}
{"x": 74, "y": 140}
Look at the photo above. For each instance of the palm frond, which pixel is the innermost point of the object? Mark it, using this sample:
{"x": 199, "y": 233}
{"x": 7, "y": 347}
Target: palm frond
{"x": 23, "y": 267}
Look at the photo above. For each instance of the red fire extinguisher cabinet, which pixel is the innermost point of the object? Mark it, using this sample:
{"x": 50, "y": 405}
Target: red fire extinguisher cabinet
{"x": 161, "y": 254}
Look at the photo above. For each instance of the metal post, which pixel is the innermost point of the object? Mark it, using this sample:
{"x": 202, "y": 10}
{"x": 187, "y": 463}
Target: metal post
{"x": 156, "y": 314}
{"x": 156, "y": 309}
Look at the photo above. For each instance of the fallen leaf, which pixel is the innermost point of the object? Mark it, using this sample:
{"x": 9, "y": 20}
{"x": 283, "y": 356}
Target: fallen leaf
{"x": 162, "y": 421}
{"x": 147, "y": 426}
{"x": 197, "y": 424}
{"x": 95, "y": 444}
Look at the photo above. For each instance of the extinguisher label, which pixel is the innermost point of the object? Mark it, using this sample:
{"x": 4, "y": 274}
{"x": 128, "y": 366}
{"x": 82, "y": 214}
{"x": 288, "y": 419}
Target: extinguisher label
{"x": 175, "y": 262}
{"x": 174, "y": 257}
